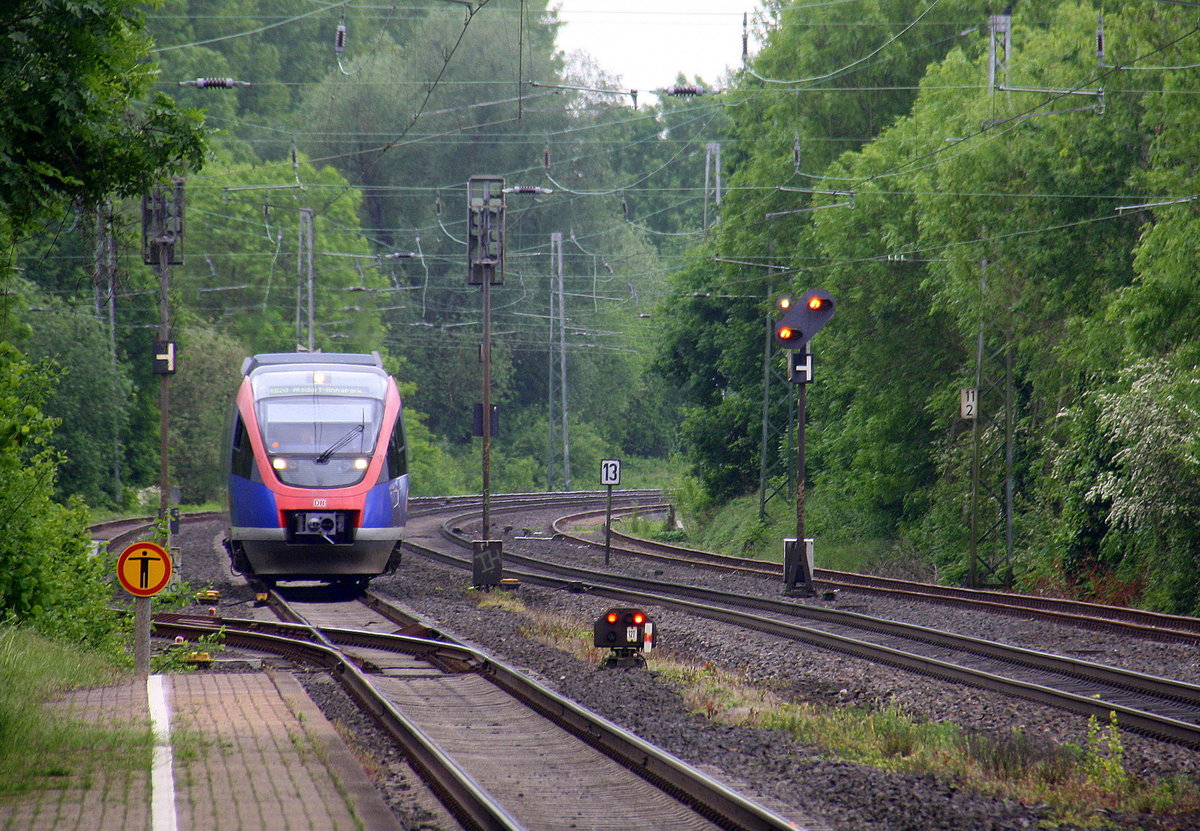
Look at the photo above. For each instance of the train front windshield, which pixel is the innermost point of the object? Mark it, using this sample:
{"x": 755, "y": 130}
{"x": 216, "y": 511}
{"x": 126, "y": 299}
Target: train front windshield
{"x": 320, "y": 434}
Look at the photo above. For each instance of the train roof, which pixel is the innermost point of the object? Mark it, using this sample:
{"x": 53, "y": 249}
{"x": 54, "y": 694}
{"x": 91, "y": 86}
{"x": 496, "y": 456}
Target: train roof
{"x": 310, "y": 358}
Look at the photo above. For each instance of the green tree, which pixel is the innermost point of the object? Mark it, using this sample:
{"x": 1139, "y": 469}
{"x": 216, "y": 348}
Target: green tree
{"x": 413, "y": 143}
{"x": 47, "y": 577}
{"x": 244, "y": 269}
{"x": 89, "y": 402}
{"x": 814, "y": 91}
{"x": 201, "y": 395}
{"x": 74, "y": 125}
{"x": 1152, "y": 485}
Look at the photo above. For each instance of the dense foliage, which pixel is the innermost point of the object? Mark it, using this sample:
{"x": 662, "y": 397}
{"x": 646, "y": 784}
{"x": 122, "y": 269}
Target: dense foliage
{"x": 976, "y": 216}
{"x": 973, "y": 236}
{"x": 75, "y": 121}
{"x": 48, "y": 577}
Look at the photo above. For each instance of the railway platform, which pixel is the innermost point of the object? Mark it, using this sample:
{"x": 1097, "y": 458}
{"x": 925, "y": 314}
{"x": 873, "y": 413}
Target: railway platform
{"x": 247, "y": 751}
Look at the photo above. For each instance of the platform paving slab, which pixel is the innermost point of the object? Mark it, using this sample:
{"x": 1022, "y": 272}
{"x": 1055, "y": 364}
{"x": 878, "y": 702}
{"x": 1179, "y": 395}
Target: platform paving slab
{"x": 251, "y": 752}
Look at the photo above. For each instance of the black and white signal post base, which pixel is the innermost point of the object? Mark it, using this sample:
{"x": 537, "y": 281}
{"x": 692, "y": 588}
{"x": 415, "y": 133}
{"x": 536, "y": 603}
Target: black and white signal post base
{"x": 487, "y": 563}
{"x": 797, "y": 569}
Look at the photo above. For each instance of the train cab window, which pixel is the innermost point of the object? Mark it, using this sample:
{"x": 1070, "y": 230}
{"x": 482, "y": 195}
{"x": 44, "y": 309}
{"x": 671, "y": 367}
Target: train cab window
{"x": 243, "y": 453}
{"x": 397, "y": 453}
{"x": 320, "y": 441}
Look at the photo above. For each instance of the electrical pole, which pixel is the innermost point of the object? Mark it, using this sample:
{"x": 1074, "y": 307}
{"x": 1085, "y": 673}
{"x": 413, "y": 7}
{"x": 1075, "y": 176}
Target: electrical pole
{"x": 998, "y": 24}
{"x": 485, "y": 268}
{"x": 712, "y": 173}
{"x": 992, "y": 454}
{"x": 106, "y": 296}
{"x": 559, "y": 448}
{"x": 304, "y": 274}
{"x": 795, "y": 567}
{"x": 775, "y": 472}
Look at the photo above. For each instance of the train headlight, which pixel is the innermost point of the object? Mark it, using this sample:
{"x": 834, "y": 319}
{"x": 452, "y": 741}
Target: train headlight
{"x": 361, "y": 464}
{"x": 279, "y": 463}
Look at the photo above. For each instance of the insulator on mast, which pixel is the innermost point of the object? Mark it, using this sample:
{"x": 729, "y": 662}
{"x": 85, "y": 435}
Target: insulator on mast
{"x": 339, "y": 39}
{"x": 685, "y": 89}
{"x": 221, "y": 83}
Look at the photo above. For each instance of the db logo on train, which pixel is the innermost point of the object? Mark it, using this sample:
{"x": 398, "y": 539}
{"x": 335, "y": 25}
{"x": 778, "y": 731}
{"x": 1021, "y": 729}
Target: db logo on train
{"x": 144, "y": 569}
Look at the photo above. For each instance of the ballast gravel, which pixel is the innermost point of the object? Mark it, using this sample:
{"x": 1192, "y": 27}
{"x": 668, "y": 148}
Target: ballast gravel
{"x": 790, "y": 776}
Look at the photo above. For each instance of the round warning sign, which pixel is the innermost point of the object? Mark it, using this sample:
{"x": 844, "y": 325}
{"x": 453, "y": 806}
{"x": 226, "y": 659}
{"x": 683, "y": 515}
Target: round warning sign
{"x": 144, "y": 569}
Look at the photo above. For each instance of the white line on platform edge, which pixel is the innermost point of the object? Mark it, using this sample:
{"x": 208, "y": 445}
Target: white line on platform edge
{"x": 162, "y": 779}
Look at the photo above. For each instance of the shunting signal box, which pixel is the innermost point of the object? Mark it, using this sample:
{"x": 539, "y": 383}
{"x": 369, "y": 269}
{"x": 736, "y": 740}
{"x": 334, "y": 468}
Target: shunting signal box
{"x": 629, "y": 633}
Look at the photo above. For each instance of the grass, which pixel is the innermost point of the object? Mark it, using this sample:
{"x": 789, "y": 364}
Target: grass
{"x": 1079, "y": 784}
{"x": 148, "y": 507}
{"x": 639, "y": 472}
{"x": 40, "y": 751}
{"x": 736, "y": 529}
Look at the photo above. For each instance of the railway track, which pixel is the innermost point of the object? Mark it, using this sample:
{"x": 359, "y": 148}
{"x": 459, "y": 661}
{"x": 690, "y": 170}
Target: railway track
{"x": 501, "y": 750}
{"x": 1148, "y": 704}
{"x": 1134, "y": 622}
{"x": 120, "y": 532}
{"x": 936, "y": 806}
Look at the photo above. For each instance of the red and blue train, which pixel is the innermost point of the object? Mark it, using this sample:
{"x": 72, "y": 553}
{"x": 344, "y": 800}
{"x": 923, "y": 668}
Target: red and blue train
{"x": 317, "y": 469}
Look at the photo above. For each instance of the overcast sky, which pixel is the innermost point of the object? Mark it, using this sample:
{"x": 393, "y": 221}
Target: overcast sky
{"x": 648, "y": 42}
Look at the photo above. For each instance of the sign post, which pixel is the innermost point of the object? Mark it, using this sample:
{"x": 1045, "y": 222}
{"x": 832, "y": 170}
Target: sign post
{"x": 610, "y": 474}
{"x": 143, "y": 569}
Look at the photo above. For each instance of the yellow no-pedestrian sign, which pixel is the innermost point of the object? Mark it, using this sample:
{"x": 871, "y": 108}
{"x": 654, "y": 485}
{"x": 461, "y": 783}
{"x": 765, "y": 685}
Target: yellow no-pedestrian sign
{"x": 144, "y": 569}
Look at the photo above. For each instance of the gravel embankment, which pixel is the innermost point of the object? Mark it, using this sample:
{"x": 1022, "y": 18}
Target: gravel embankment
{"x": 763, "y": 764}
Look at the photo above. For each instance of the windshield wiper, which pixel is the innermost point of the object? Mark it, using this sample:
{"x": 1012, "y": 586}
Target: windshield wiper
{"x": 357, "y": 429}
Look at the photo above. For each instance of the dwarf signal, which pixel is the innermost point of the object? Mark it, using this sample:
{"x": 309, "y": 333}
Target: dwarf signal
{"x": 629, "y": 633}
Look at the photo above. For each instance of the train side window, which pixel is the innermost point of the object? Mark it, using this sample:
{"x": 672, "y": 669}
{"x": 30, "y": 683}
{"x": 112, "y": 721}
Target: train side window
{"x": 243, "y": 452}
{"x": 397, "y": 456}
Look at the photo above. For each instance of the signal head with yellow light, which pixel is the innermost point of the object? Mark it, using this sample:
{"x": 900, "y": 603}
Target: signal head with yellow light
{"x": 799, "y": 321}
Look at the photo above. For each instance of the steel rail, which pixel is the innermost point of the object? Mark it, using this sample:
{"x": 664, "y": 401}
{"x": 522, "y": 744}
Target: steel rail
{"x": 671, "y": 595}
{"x": 426, "y": 505}
{"x": 1096, "y": 616}
{"x": 702, "y": 793}
{"x": 463, "y": 797}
